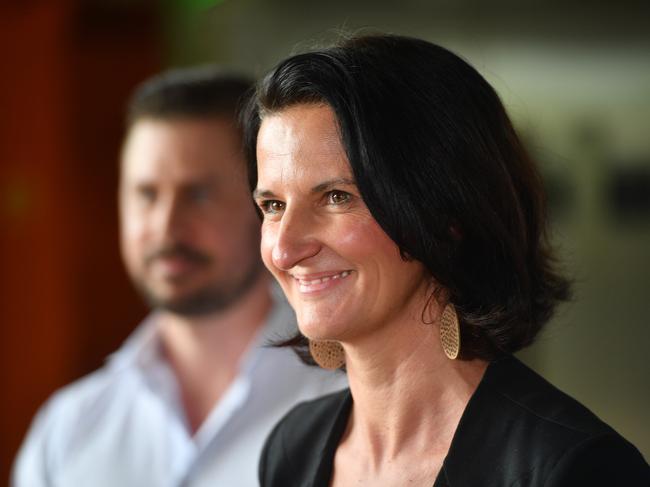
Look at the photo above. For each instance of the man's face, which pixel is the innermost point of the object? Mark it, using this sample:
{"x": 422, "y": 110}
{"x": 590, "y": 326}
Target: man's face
{"x": 189, "y": 232}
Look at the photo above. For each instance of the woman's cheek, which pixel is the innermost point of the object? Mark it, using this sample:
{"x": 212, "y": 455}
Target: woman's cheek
{"x": 363, "y": 235}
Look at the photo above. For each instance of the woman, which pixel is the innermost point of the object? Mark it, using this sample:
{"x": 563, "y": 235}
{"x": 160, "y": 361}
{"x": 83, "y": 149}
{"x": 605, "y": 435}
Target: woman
{"x": 405, "y": 223}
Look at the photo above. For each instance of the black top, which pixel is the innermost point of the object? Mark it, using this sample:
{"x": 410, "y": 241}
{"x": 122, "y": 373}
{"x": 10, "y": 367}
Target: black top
{"x": 517, "y": 430}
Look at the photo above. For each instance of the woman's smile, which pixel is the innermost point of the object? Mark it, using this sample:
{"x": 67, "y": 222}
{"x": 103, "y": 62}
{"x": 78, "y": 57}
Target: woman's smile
{"x": 319, "y": 282}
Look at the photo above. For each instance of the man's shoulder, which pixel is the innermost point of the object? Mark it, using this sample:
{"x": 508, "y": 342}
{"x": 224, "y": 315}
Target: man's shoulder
{"x": 68, "y": 417}
{"x": 97, "y": 390}
{"x": 72, "y": 403}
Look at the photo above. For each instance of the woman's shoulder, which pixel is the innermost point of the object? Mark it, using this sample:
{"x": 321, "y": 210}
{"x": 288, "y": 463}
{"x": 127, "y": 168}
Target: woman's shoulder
{"x": 513, "y": 388}
{"x": 315, "y": 413}
{"x": 523, "y": 429}
{"x": 300, "y": 442}
{"x": 600, "y": 460}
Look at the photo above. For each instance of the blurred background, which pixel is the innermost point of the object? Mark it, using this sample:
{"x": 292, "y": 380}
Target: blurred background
{"x": 573, "y": 74}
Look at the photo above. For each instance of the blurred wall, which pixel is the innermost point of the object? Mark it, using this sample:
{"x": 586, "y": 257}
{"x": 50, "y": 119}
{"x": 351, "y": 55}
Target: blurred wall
{"x": 65, "y": 302}
{"x": 575, "y": 77}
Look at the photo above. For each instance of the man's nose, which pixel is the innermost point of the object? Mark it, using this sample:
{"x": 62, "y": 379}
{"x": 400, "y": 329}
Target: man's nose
{"x": 170, "y": 218}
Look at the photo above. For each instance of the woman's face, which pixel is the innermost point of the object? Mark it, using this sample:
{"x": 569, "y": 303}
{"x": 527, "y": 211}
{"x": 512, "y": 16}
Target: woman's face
{"x": 341, "y": 273}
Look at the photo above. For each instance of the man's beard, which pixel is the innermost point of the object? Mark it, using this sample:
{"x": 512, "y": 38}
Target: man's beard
{"x": 212, "y": 298}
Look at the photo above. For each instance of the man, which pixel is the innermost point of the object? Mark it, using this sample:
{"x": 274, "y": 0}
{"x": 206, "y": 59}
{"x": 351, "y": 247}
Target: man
{"x": 190, "y": 397}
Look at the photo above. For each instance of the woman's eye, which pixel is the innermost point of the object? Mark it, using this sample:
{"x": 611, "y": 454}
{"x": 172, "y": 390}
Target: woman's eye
{"x": 338, "y": 197}
{"x": 271, "y": 206}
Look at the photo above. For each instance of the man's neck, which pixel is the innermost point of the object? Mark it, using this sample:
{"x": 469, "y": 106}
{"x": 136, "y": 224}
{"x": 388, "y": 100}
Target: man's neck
{"x": 205, "y": 352}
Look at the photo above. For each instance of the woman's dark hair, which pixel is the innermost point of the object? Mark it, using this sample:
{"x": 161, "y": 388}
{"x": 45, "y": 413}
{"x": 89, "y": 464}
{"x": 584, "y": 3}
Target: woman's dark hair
{"x": 441, "y": 169}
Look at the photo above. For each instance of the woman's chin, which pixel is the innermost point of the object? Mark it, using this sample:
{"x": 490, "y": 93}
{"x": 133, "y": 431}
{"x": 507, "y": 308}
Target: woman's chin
{"x": 318, "y": 330}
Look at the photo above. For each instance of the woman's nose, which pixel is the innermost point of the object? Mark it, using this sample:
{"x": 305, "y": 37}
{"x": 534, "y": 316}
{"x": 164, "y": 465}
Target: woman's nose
{"x": 295, "y": 241}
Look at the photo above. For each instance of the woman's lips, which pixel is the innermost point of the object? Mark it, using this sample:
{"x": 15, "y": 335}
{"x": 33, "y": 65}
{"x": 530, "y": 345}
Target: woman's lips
{"x": 312, "y": 283}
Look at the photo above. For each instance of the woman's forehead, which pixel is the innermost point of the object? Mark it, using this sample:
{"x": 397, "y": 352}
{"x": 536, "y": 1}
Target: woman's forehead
{"x": 299, "y": 127}
{"x": 301, "y": 143}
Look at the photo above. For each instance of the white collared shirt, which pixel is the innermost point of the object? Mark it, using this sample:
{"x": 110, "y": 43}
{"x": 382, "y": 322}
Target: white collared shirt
{"x": 124, "y": 425}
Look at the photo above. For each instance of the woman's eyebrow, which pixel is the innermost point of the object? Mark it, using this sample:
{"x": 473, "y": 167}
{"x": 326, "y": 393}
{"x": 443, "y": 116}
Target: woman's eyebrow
{"x": 263, "y": 193}
{"x": 319, "y": 188}
{"x": 326, "y": 185}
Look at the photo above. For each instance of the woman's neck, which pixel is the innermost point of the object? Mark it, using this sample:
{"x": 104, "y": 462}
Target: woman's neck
{"x": 408, "y": 396}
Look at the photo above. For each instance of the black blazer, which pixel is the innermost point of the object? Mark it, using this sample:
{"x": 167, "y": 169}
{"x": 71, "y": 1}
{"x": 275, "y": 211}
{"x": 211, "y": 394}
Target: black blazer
{"x": 517, "y": 430}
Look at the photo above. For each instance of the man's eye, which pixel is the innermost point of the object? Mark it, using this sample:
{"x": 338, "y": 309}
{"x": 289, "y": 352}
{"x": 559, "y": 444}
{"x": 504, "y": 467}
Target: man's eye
{"x": 146, "y": 194}
{"x": 199, "y": 194}
{"x": 271, "y": 206}
{"x": 337, "y": 197}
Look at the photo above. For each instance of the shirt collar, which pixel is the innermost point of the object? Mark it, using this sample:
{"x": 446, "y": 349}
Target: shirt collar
{"x": 143, "y": 350}
{"x": 280, "y": 324}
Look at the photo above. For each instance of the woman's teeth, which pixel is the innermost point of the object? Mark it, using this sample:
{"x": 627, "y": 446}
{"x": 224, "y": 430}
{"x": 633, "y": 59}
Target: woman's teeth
{"x": 310, "y": 282}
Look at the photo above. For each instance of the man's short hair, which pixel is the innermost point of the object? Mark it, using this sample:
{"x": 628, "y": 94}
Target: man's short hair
{"x": 195, "y": 92}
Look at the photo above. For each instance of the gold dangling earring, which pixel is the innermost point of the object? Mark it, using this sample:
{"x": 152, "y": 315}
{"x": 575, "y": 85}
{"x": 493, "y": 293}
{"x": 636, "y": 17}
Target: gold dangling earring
{"x": 450, "y": 332}
{"x": 328, "y": 354}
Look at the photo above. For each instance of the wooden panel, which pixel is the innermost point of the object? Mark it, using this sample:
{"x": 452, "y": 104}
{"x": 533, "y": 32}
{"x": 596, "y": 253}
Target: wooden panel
{"x": 64, "y": 299}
